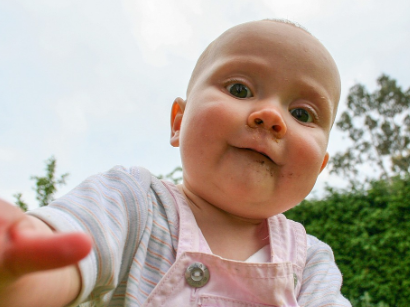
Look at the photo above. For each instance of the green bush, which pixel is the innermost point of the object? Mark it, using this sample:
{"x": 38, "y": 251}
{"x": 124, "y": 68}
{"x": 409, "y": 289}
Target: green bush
{"x": 369, "y": 234}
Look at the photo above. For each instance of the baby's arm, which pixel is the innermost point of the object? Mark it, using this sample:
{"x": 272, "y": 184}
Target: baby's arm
{"x": 37, "y": 265}
{"x": 322, "y": 279}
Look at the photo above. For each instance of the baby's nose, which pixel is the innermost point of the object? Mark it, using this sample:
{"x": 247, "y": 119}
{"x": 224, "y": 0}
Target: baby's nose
{"x": 270, "y": 119}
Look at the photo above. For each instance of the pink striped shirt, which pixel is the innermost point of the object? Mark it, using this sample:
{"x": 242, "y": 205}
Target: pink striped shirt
{"x": 132, "y": 217}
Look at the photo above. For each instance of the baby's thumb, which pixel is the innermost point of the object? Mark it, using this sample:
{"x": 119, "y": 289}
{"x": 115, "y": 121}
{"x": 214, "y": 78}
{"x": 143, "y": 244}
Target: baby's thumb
{"x": 28, "y": 253}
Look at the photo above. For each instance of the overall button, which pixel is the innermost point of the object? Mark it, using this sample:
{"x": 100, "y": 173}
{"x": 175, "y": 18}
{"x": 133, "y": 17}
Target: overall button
{"x": 197, "y": 275}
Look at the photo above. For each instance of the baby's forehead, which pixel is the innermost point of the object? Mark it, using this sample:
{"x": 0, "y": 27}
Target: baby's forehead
{"x": 240, "y": 35}
{"x": 280, "y": 38}
{"x": 273, "y": 35}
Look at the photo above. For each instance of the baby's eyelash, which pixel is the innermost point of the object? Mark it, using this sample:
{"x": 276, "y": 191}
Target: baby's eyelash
{"x": 238, "y": 88}
{"x": 313, "y": 112}
{"x": 233, "y": 81}
{"x": 301, "y": 117}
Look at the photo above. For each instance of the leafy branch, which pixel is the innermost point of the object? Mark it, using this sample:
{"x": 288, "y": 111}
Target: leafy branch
{"x": 378, "y": 126}
{"x": 45, "y": 187}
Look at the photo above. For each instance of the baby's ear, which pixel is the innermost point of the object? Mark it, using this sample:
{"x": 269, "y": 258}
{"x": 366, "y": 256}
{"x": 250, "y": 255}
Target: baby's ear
{"x": 324, "y": 163}
{"x": 177, "y": 113}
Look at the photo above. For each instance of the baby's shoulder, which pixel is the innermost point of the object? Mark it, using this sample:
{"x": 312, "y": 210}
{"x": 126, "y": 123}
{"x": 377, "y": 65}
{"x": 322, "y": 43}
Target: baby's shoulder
{"x": 119, "y": 178}
{"x": 318, "y": 249}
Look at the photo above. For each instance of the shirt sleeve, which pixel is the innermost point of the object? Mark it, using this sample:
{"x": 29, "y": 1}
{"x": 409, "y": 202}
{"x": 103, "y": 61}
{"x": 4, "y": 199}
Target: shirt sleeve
{"x": 322, "y": 279}
{"x": 112, "y": 208}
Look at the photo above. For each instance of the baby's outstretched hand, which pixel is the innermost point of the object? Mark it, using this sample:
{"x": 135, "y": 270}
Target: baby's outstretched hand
{"x": 29, "y": 245}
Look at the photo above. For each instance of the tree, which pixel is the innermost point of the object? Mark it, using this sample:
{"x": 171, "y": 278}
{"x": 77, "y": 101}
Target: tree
{"x": 378, "y": 125}
{"x": 45, "y": 187}
{"x": 175, "y": 176}
{"x": 20, "y": 202}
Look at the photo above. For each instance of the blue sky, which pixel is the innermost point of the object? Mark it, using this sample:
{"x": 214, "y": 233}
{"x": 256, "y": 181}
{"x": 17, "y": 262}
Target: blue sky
{"x": 91, "y": 82}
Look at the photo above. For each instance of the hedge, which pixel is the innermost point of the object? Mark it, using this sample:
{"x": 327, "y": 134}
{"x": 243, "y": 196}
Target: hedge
{"x": 369, "y": 232}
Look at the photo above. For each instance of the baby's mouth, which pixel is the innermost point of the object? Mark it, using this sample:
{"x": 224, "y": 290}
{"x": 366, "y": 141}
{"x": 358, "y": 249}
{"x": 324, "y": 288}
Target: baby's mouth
{"x": 260, "y": 153}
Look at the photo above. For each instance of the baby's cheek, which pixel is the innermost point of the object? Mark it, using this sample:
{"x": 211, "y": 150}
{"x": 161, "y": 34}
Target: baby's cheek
{"x": 308, "y": 155}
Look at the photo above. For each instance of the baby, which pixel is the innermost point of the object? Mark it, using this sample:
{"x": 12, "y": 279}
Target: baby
{"x": 252, "y": 133}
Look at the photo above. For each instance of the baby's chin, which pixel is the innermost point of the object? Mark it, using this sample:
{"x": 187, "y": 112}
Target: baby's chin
{"x": 252, "y": 204}
{"x": 253, "y": 212}
{"x": 247, "y": 192}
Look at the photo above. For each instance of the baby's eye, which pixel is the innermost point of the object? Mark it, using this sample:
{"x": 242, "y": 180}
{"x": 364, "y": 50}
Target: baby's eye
{"x": 239, "y": 90}
{"x": 302, "y": 115}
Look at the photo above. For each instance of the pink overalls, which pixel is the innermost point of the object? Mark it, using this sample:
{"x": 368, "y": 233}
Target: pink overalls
{"x": 199, "y": 278}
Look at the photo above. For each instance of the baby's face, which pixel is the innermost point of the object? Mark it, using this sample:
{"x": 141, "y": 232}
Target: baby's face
{"x": 256, "y": 122}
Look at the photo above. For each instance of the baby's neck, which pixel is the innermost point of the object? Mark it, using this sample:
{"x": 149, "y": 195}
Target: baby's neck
{"x": 236, "y": 242}
{"x": 228, "y": 236}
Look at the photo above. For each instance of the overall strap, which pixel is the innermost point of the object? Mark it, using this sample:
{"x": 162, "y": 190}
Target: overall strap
{"x": 288, "y": 244}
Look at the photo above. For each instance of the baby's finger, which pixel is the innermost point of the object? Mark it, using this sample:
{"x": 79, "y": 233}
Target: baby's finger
{"x": 29, "y": 253}
{"x": 9, "y": 214}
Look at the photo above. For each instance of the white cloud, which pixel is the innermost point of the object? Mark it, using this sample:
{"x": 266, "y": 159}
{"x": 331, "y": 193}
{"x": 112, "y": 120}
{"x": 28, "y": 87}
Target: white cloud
{"x": 9, "y": 155}
{"x": 71, "y": 114}
{"x": 300, "y": 10}
{"x": 161, "y": 27}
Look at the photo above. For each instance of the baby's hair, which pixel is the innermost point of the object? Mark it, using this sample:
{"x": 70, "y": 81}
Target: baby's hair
{"x": 205, "y": 54}
{"x": 288, "y": 22}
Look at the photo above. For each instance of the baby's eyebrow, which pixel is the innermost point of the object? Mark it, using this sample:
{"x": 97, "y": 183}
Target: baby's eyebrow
{"x": 243, "y": 62}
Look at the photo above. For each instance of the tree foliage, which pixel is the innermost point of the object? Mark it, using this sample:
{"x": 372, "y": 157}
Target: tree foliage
{"x": 175, "y": 176}
{"x": 45, "y": 187}
{"x": 378, "y": 126}
{"x": 20, "y": 202}
{"x": 368, "y": 231}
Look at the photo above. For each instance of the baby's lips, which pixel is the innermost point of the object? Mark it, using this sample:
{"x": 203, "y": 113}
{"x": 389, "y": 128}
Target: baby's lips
{"x": 262, "y": 144}
{"x": 262, "y": 150}
{"x": 259, "y": 152}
